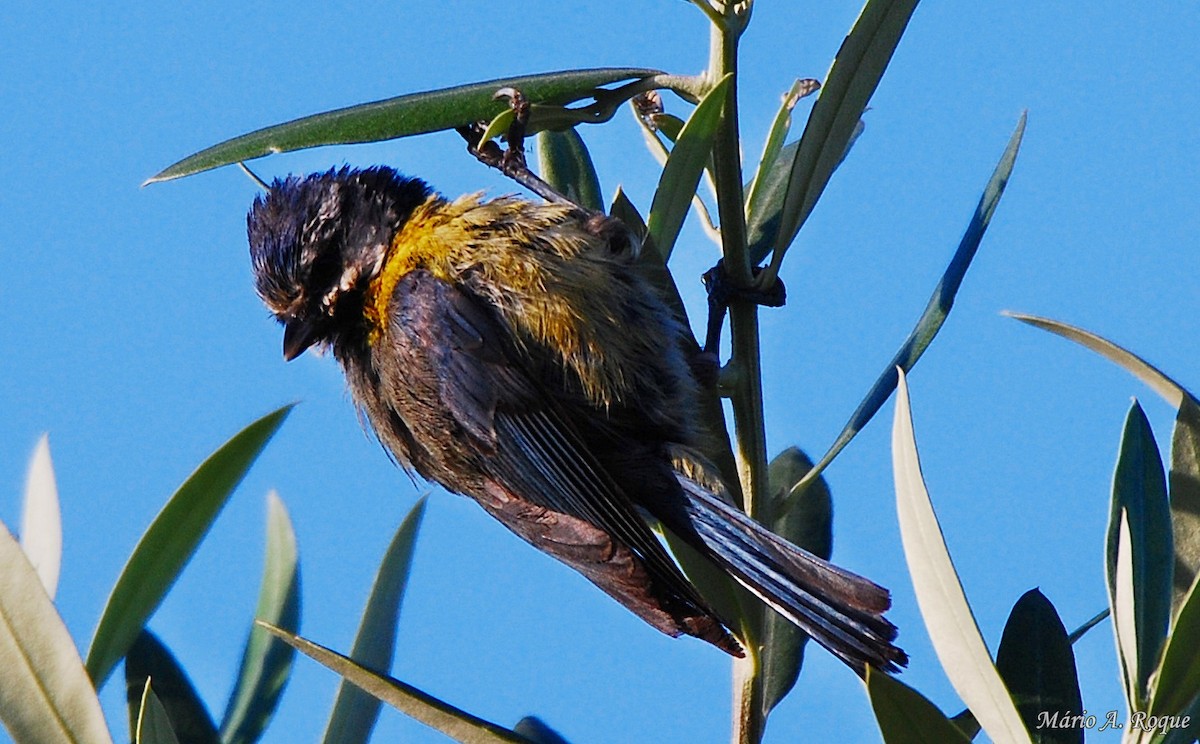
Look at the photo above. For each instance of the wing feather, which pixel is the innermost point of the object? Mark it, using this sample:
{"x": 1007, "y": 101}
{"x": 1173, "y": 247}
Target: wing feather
{"x": 449, "y": 344}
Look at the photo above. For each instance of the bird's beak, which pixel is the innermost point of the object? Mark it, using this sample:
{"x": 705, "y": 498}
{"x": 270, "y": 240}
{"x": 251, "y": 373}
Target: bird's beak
{"x": 298, "y": 335}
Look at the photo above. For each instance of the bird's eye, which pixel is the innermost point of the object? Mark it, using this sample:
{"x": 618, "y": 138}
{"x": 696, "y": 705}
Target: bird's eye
{"x": 325, "y": 272}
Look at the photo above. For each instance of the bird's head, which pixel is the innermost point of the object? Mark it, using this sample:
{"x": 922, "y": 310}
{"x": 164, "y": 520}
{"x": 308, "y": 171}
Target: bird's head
{"x": 317, "y": 241}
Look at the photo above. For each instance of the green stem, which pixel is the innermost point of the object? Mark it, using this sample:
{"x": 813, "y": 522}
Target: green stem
{"x": 748, "y": 722}
{"x": 546, "y": 116}
{"x": 746, "y": 393}
{"x": 707, "y": 9}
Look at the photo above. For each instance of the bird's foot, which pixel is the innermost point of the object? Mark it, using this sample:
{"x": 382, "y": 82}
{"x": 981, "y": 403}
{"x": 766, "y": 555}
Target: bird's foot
{"x": 722, "y": 292}
{"x": 510, "y": 160}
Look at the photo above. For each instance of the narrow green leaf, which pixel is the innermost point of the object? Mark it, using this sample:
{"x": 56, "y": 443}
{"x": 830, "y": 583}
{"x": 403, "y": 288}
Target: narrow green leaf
{"x": 1121, "y": 592}
{"x": 670, "y": 125}
{"x": 765, "y": 218}
{"x": 1177, "y": 684}
{"x": 681, "y": 175}
{"x": 939, "y": 306}
{"x": 46, "y": 696}
{"x": 149, "y": 659}
{"x": 656, "y": 128}
{"x": 1140, "y": 502}
{"x": 565, "y": 164}
{"x": 852, "y": 79}
{"x": 1037, "y": 665}
{"x": 267, "y": 661}
{"x": 948, "y": 617}
{"x": 650, "y": 136}
{"x": 625, "y": 211}
{"x": 764, "y": 215}
{"x": 780, "y": 126}
{"x": 859, "y": 128}
{"x": 440, "y": 716}
{"x": 153, "y": 724}
{"x": 1184, "y": 729}
{"x": 354, "y": 711}
{"x": 967, "y": 723}
{"x": 810, "y": 526}
{"x": 169, "y": 542}
{"x": 403, "y": 116}
{"x": 1185, "y": 445}
{"x": 1172, "y": 392}
{"x": 41, "y": 519}
{"x": 500, "y": 125}
{"x": 535, "y": 730}
{"x": 905, "y": 716}
{"x": 1184, "y": 480}
{"x": 807, "y": 523}
{"x": 1092, "y": 622}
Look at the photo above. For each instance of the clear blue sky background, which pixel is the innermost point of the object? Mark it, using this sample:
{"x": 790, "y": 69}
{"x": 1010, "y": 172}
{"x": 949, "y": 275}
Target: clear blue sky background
{"x": 132, "y": 334}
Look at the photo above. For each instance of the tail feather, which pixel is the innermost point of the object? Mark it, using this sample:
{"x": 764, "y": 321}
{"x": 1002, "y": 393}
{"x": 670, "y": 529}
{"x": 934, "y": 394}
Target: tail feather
{"x": 840, "y": 610}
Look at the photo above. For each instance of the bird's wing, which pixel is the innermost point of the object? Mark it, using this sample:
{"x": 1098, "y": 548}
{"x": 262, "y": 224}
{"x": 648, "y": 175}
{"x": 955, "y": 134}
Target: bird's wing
{"x": 541, "y": 479}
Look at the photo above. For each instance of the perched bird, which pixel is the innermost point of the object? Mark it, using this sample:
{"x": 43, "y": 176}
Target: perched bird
{"x": 512, "y": 352}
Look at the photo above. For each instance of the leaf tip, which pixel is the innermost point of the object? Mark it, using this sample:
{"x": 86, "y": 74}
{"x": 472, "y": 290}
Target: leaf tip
{"x": 1019, "y": 132}
{"x": 269, "y": 627}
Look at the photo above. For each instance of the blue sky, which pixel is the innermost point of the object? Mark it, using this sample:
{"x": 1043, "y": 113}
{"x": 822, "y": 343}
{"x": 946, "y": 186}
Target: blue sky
{"x": 133, "y": 336}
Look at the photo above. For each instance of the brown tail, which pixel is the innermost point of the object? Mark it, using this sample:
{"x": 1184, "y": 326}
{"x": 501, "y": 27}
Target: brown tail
{"x": 840, "y": 610}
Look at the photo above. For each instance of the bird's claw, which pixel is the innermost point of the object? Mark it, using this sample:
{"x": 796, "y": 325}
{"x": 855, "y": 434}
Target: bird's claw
{"x": 510, "y": 160}
{"x": 722, "y": 292}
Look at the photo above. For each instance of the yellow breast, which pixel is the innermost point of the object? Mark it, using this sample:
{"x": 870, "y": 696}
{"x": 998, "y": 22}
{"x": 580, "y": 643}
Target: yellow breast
{"x": 539, "y": 268}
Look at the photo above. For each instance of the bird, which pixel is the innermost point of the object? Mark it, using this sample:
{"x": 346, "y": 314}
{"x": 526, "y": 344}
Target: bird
{"x": 512, "y": 351}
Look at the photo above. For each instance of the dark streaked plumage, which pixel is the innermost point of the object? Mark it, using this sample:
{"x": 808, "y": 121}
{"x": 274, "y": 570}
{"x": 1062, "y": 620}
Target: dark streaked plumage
{"x": 511, "y": 352}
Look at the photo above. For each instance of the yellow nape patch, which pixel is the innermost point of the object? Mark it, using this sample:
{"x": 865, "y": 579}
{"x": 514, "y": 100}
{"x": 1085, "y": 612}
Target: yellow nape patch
{"x": 534, "y": 264}
{"x": 420, "y": 243}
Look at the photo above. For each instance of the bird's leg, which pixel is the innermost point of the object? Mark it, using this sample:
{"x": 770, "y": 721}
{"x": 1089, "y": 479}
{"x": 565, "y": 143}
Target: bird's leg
{"x": 511, "y": 160}
{"x": 721, "y": 293}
